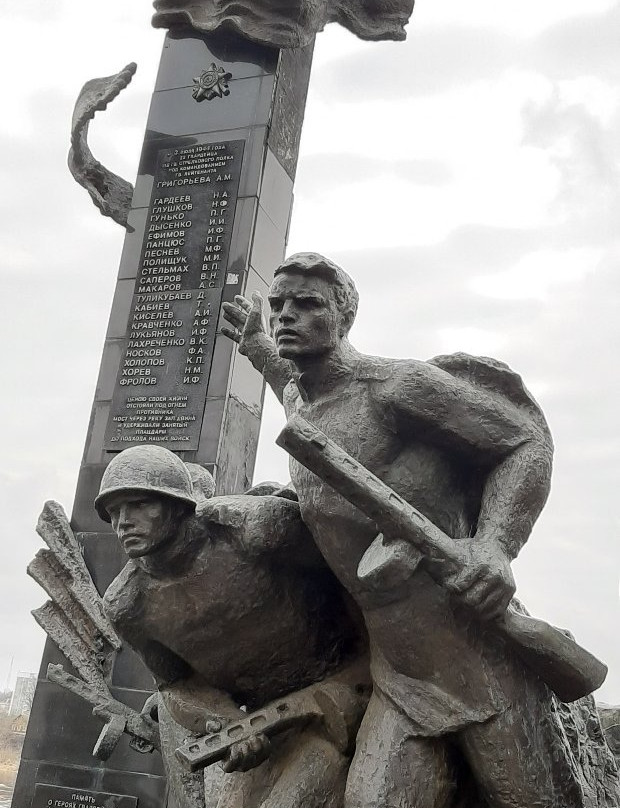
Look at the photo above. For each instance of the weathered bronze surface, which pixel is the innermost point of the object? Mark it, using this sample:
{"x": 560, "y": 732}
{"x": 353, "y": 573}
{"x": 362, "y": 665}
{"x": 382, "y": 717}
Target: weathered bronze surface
{"x": 287, "y": 23}
{"x": 161, "y": 388}
{"x": 457, "y": 717}
{"x": 233, "y": 607}
{"x": 110, "y": 193}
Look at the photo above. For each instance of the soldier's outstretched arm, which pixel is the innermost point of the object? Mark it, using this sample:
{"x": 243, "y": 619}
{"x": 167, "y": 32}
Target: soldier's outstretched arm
{"x": 495, "y": 434}
{"x": 250, "y": 333}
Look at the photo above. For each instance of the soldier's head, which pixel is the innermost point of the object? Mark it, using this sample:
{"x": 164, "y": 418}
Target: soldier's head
{"x": 146, "y": 493}
{"x": 313, "y": 304}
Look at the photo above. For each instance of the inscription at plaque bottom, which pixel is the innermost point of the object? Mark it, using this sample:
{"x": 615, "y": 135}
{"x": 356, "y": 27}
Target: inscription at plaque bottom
{"x": 161, "y": 389}
{"x": 49, "y": 796}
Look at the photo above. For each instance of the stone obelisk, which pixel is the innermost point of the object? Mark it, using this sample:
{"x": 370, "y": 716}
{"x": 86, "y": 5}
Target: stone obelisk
{"x": 207, "y": 220}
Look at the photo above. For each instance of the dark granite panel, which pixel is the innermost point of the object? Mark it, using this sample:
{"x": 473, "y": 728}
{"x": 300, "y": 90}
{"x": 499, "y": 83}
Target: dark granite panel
{"x": 121, "y": 307}
{"x": 112, "y": 352}
{"x": 234, "y": 287}
{"x": 130, "y": 671}
{"x": 268, "y": 248}
{"x": 96, "y": 432}
{"x": 220, "y": 367}
{"x": 187, "y": 53}
{"x": 104, "y": 557}
{"x": 289, "y": 105}
{"x": 149, "y": 789}
{"x": 53, "y": 734}
{"x": 255, "y": 283}
{"x": 24, "y": 785}
{"x": 247, "y": 283}
{"x": 84, "y": 516}
{"x": 47, "y": 794}
{"x": 245, "y": 215}
{"x": 276, "y": 193}
{"x": 52, "y": 655}
{"x": 255, "y": 138}
{"x": 210, "y": 435}
{"x": 130, "y": 256}
{"x": 247, "y": 384}
{"x": 132, "y": 697}
{"x": 238, "y": 449}
{"x": 89, "y": 429}
{"x": 175, "y": 112}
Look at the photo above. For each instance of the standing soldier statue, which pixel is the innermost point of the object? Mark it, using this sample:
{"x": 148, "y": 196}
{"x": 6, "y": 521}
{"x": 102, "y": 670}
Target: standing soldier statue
{"x": 455, "y": 713}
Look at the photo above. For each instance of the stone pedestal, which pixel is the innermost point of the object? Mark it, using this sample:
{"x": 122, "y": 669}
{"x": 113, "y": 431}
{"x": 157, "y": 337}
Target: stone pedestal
{"x": 210, "y": 214}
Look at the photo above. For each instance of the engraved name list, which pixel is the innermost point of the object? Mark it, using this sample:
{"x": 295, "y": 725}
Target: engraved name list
{"x": 161, "y": 388}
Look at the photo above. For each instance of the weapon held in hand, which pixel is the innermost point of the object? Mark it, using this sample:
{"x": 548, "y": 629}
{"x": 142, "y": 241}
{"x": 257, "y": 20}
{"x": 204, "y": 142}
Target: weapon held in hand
{"x": 337, "y": 708}
{"x": 567, "y": 668}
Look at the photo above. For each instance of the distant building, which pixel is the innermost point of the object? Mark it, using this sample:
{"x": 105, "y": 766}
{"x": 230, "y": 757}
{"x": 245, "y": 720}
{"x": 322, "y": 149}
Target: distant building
{"x": 21, "y": 702}
{"x": 19, "y": 724}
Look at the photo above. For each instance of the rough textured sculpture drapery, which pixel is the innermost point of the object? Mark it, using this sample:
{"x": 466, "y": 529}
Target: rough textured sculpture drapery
{"x": 287, "y": 23}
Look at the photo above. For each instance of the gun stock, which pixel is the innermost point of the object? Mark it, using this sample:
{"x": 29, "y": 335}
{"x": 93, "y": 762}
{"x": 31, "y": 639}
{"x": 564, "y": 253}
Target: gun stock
{"x": 567, "y": 668}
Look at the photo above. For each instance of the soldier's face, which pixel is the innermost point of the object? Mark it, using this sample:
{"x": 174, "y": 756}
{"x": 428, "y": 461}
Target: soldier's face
{"x": 304, "y": 318}
{"x": 141, "y": 522}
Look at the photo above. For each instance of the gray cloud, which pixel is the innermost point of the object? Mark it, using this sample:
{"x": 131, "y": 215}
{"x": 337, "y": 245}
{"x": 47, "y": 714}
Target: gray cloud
{"x": 320, "y": 172}
{"x": 436, "y": 60}
{"x": 440, "y": 58}
{"x": 584, "y": 151}
{"x": 45, "y": 12}
{"x": 585, "y": 45}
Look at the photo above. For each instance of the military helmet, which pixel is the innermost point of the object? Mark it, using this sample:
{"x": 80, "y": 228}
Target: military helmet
{"x": 147, "y": 468}
{"x": 203, "y": 483}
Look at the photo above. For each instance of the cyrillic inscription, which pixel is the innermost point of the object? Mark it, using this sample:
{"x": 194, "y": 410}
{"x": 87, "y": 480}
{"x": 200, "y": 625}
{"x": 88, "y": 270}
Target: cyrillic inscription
{"x": 161, "y": 388}
{"x": 50, "y": 796}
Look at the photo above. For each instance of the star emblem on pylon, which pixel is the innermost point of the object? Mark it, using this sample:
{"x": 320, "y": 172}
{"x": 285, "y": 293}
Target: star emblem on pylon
{"x": 211, "y": 83}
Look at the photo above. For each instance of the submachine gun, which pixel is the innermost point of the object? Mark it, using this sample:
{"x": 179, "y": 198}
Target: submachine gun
{"x": 567, "y": 668}
{"x": 334, "y": 707}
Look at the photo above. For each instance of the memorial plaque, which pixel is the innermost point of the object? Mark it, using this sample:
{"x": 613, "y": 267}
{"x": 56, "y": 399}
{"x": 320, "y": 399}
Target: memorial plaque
{"x": 49, "y": 796}
{"x": 161, "y": 389}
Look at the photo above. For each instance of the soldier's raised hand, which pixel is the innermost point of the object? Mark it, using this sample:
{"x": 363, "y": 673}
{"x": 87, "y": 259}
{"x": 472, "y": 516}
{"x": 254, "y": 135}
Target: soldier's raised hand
{"x": 249, "y": 329}
{"x": 246, "y": 755}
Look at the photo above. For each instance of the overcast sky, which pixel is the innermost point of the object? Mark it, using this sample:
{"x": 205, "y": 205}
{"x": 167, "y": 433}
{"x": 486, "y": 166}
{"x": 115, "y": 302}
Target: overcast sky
{"x": 467, "y": 179}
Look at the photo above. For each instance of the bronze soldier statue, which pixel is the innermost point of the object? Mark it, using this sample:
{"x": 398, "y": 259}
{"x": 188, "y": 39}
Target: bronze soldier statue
{"x": 231, "y": 606}
{"x": 455, "y": 716}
